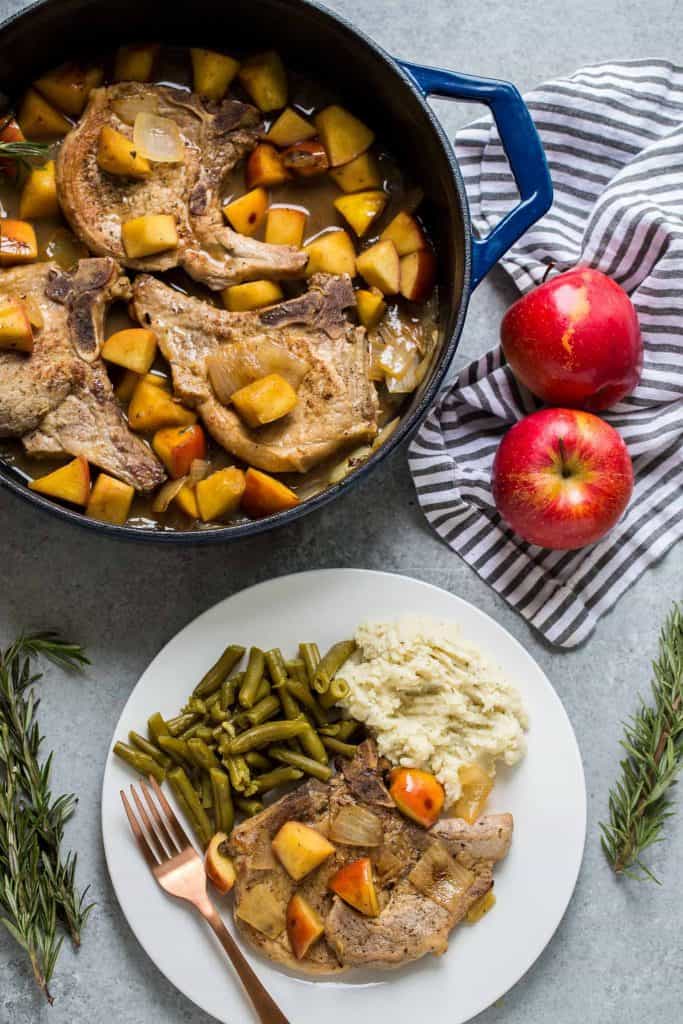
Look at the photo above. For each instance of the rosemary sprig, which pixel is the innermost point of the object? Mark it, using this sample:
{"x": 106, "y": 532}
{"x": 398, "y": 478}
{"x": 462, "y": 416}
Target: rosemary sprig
{"x": 39, "y": 900}
{"x": 28, "y": 154}
{"x": 640, "y": 803}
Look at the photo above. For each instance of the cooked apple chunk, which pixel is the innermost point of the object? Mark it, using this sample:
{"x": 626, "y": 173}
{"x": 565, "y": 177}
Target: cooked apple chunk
{"x": 240, "y": 298}
{"x": 213, "y": 72}
{"x": 18, "y": 242}
{"x": 39, "y": 194}
{"x": 285, "y": 226}
{"x": 16, "y": 332}
{"x": 116, "y": 154}
{"x": 265, "y": 167}
{"x": 135, "y": 63}
{"x": 246, "y": 213}
{"x": 304, "y": 925}
{"x": 220, "y": 493}
{"x": 380, "y": 267}
{"x": 152, "y": 407}
{"x": 219, "y": 866}
{"x": 361, "y": 209}
{"x": 355, "y": 885}
{"x": 265, "y": 79}
{"x": 361, "y": 173}
{"x": 476, "y": 787}
{"x": 178, "y": 447}
{"x": 343, "y": 135}
{"x": 39, "y": 119}
{"x": 68, "y": 483}
{"x": 417, "y": 794}
{"x": 265, "y": 400}
{"x": 300, "y": 849}
{"x": 150, "y": 234}
{"x": 290, "y": 127}
{"x": 68, "y": 87}
{"x": 110, "y": 500}
{"x": 331, "y": 253}
{"x": 371, "y": 307}
{"x": 406, "y": 234}
{"x": 133, "y": 348}
{"x": 418, "y": 275}
{"x": 186, "y": 500}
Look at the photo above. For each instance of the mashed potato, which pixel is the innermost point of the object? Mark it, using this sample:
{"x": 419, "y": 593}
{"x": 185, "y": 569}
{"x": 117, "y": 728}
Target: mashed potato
{"x": 431, "y": 701}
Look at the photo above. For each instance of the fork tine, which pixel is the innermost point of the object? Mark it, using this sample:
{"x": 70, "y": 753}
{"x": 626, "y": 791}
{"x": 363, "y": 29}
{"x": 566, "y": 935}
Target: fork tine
{"x": 145, "y": 848}
{"x": 157, "y": 840}
{"x": 162, "y": 825}
{"x": 180, "y": 832}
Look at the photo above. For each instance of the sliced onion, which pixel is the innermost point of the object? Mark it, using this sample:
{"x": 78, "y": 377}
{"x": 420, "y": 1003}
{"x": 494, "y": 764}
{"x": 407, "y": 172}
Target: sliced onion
{"x": 128, "y": 107}
{"x": 411, "y": 379}
{"x": 438, "y": 876}
{"x": 240, "y": 364}
{"x": 198, "y": 470}
{"x": 33, "y": 312}
{"x": 260, "y": 908}
{"x": 167, "y": 493}
{"x": 385, "y": 433}
{"x": 356, "y": 826}
{"x": 262, "y": 857}
{"x": 158, "y": 139}
{"x": 352, "y": 461}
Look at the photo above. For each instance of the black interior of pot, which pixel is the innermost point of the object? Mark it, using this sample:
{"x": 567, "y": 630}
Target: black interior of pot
{"x": 309, "y": 40}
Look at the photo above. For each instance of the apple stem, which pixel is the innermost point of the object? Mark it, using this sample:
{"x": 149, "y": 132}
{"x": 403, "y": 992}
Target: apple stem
{"x": 563, "y": 458}
{"x": 551, "y": 266}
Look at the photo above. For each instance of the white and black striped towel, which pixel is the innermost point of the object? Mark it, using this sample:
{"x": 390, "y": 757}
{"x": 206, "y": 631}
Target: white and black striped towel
{"x": 613, "y": 135}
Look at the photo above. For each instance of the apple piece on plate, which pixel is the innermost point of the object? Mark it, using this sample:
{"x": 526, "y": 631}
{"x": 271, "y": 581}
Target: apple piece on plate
{"x": 575, "y": 340}
{"x": 285, "y": 226}
{"x": 300, "y": 849}
{"x": 16, "y": 332}
{"x": 562, "y": 478}
{"x": 135, "y": 63}
{"x": 406, "y": 234}
{"x": 246, "y": 213}
{"x": 39, "y": 119}
{"x": 110, "y": 500}
{"x": 355, "y": 885}
{"x": 265, "y": 167}
{"x": 219, "y": 866}
{"x": 304, "y": 925}
{"x": 68, "y": 87}
{"x": 116, "y": 154}
{"x": 418, "y": 275}
{"x": 290, "y": 127}
{"x": 18, "y": 242}
{"x": 265, "y": 79}
{"x": 152, "y": 407}
{"x": 133, "y": 348}
{"x": 361, "y": 173}
{"x": 371, "y": 308}
{"x": 417, "y": 794}
{"x": 240, "y": 298}
{"x": 380, "y": 267}
{"x": 68, "y": 483}
{"x": 213, "y": 72}
{"x": 220, "y": 493}
{"x": 149, "y": 234}
{"x": 186, "y": 500}
{"x": 39, "y": 194}
{"x": 476, "y": 787}
{"x": 264, "y": 400}
{"x": 331, "y": 253}
{"x": 360, "y": 209}
{"x": 178, "y": 447}
{"x": 305, "y": 159}
{"x": 343, "y": 135}
{"x": 264, "y": 495}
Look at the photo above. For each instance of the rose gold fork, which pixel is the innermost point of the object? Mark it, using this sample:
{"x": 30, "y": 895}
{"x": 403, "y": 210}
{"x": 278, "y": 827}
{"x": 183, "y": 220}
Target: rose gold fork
{"x": 179, "y": 870}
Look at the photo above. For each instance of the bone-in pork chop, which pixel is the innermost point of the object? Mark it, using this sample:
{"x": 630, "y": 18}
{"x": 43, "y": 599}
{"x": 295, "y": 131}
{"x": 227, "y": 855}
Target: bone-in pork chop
{"x": 411, "y": 868}
{"x": 215, "y": 138}
{"x": 58, "y": 399}
{"x": 337, "y": 402}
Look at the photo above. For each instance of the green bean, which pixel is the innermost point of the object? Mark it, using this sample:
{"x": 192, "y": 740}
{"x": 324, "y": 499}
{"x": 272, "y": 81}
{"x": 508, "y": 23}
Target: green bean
{"x": 330, "y": 664}
{"x": 306, "y": 764}
{"x": 192, "y": 731}
{"x": 145, "y": 747}
{"x": 257, "y": 761}
{"x": 347, "y": 727}
{"x": 238, "y": 770}
{"x": 276, "y": 666}
{"x": 296, "y": 670}
{"x": 223, "y": 811}
{"x": 278, "y": 777}
{"x": 206, "y": 793}
{"x": 263, "y": 690}
{"x": 263, "y": 735}
{"x": 336, "y": 691}
{"x": 252, "y": 677}
{"x": 142, "y": 763}
{"x": 218, "y": 672}
{"x": 176, "y": 750}
{"x": 249, "y": 807}
{"x": 310, "y": 655}
{"x": 301, "y": 692}
{"x": 337, "y": 747}
{"x": 201, "y": 732}
{"x": 312, "y": 744}
{"x": 191, "y": 804}
{"x": 156, "y": 727}
{"x": 195, "y": 706}
{"x": 180, "y": 723}
{"x": 229, "y": 688}
{"x": 261, "y": 712}
{"x": 201, "y": 755}
{"x": 217, "y": 715}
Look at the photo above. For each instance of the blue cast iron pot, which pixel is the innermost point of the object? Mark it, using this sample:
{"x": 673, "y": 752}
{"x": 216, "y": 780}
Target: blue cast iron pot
{"x": 391, "y": 95}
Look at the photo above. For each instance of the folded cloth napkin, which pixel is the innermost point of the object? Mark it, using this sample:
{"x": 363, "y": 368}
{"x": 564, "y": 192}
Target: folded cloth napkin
{"x": 613, "y": 135}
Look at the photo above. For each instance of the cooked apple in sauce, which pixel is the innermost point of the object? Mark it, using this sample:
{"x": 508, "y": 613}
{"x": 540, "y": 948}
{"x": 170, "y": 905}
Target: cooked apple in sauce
{"x": 216, "y": 287}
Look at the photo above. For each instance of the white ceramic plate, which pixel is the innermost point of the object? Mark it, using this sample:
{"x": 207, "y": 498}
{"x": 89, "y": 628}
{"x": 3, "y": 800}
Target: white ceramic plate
{"x": 546, "y": 795}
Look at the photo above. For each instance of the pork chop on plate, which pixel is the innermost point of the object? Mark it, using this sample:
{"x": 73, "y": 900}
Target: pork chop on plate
{"x": 58, "y": 399}
{"x": 337, "y": 402}
{"x": 426, "y": 880}
{"x": 215, "y": 137}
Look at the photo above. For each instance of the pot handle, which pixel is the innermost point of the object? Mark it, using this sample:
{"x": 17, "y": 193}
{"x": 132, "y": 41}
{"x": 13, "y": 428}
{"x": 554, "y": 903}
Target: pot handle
{"x": 522, "y": 147}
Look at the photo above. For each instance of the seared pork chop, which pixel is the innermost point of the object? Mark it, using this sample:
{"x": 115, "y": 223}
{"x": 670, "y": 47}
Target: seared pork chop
{"x": 337, "y": 403}
{"x": 58, "y": 399}
{"x": 411, "y": 923}
{"x": 215, "y": 138}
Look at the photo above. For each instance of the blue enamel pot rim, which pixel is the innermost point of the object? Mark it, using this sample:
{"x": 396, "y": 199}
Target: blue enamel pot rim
{"x": 421, "y": 82}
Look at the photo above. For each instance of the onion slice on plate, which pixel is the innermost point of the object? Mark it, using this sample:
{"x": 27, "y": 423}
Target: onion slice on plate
{"x": 438, "y": 876}
{"x": 237, "y": 365}
{"x": 356, "y": 826}
{"x": 260, "y": 908}
{"x": 158, "y": 139}
{"x": 167, "y": 493}
{"x": 128, "y": 107}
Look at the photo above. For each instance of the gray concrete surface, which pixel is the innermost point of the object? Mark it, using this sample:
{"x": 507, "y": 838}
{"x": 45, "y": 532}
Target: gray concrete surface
{"x": 617, "y": 956}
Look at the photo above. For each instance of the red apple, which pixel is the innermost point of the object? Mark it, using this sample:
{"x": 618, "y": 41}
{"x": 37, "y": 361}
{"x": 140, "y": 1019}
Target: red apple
{"x": 575, "y": 340}
{"x": 562, "y": 478}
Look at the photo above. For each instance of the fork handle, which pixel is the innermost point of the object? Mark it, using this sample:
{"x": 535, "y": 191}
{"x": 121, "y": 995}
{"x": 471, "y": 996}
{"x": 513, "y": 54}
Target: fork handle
{"x": 266, "y": 1007}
